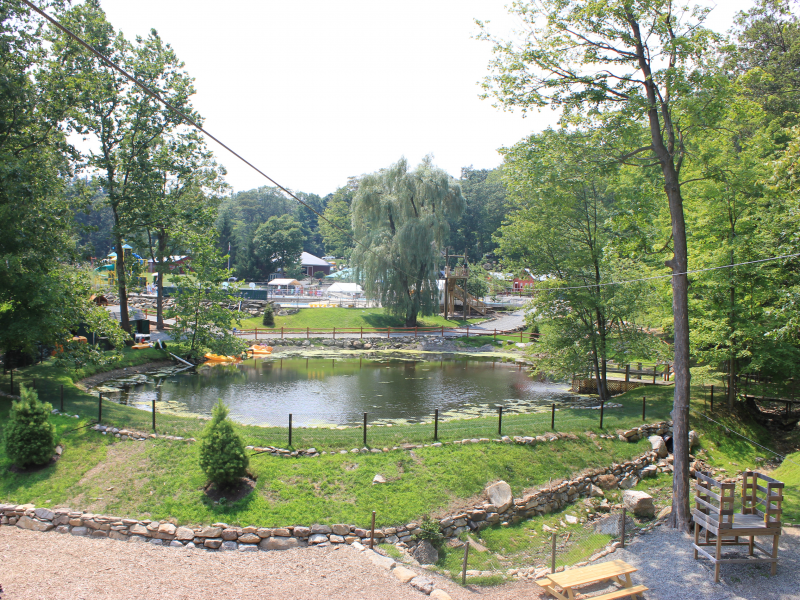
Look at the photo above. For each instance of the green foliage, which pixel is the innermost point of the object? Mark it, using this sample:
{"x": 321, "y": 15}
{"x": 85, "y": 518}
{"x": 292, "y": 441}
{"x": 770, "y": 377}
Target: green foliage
{"x": 336, "y": 228}
{"x": 268, "y": 318}
{"x": 485, "y": 208}
{"x": 29, "y": 435}
{"x": 277, "y": 245}
{"x": 400, "y": 219}
{"x": 430, "y": 531}
{"x": 319, "y": 275}
{"x": 222, "y": 454}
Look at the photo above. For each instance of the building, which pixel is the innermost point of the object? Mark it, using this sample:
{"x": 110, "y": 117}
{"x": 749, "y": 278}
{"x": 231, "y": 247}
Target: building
{"x": 312, "y": 264}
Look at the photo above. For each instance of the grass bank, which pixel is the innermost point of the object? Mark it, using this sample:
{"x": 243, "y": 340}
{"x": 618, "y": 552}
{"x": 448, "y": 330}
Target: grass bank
{"x": 349, "y": 318}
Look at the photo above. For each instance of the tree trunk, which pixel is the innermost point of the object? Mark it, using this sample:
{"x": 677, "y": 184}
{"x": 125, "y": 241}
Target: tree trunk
{"x": 122, "y": 289}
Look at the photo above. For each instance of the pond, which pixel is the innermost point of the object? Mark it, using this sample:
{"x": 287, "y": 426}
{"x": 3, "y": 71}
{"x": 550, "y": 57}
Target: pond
{"x": 338, "y": 391}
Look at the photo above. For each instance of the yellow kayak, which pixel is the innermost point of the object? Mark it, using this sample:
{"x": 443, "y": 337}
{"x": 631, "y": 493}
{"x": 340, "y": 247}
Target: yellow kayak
{"x": 220, "y": 358}
{"x": 258, "y": 349}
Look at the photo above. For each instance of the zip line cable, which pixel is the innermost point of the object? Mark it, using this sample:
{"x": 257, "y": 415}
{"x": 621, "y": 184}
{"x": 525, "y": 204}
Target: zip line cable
{"x": 155, "y": 95}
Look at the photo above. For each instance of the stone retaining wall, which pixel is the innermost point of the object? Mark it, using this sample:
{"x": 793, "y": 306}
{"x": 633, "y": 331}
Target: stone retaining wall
{"x": 221, "y": 536}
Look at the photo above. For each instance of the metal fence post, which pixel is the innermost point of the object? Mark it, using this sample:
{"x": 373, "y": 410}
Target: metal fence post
{"x": 499, "y": 420}
{"x": 290, "y": 429}
{"x": 464, "y": 564}
{"x": 436, "y": 425}
{"x": 372, "y": 530}
{"x": 553, "y": 417}
{"x": 622, "y": 526}
{"x": 100, "y": 407}
{"x": 602, "y": 406}
{"x": 365, "y": 430}
{"x": 154, "y": 414}
{"x": 553, "y": 553}
{"x": 644, "y": 399}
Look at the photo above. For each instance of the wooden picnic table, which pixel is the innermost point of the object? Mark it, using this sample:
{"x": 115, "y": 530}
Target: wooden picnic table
{"x": 617, "y": 571}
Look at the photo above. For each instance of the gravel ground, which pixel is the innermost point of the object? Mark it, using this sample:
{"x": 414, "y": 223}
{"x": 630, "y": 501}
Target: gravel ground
{"x": 666, "y": 564}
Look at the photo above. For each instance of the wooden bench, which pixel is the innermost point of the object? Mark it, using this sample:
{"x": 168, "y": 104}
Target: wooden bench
{"x": 714, "y": 513}
{"x": 607, "y": 571}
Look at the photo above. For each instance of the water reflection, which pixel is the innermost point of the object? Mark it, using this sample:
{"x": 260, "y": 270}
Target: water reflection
{"x": 328, "y": 391}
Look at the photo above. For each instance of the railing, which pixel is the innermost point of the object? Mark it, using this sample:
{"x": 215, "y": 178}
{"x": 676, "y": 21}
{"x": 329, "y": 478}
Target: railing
{"x": 270, "y": 333}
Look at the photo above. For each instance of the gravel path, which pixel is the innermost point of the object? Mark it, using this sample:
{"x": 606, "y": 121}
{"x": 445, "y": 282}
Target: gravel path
{"x": 666, "y": 564}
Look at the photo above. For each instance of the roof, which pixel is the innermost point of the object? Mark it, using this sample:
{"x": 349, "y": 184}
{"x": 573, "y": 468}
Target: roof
{"x": 284, "y": 282}
{"x": 345, "y": 288}
{"x": 309, "y": 260}
{"x": 341, "y": 274}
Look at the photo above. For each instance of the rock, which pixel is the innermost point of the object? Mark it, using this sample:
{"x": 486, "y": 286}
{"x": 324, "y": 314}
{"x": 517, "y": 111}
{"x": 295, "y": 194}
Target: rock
{"x": 382, "y": 561}
{"x": 425, "y": 553}
{"x": 118, "y": 535}
{"x": 229, "y": 546}
{"x": 499, "y": 495}
{"x": 440, "y": 595}
{"x": 336, "y": 539}
{"x": 596, "y": 492}
{"x": 249, "y": 538}
{"x": 175, "y": 544}
{"x": 279, "y": 543}
{"x": 184, "y": 534}
{"x": 209, "y": 532}
{"x": 341, "y": 529}
{"x": 167, "y": 529}
{"x": 213, "y": 543}
{"x": 423, "y": 584}
{"x": 44, "y": 514}
{"x": 629, "y": 482}
{"x": 317, "y": 538}
{"x": 33, "y": 525}
{"x": 572, "y": 520}
{"x": 664, "y": 512}
{"x": 230, "y": 534}
{"x": 378, "y": 479}
{"x": 281, "y": 532}
{"x": 82, "y": 531}
{"x": 320, "y": 529}
{"x": 303, "y": 532}
{"x": 694, "y": 439}
{"x": 248, "y": 548}
{"x": 607, "y": 482}
{"x": 640, "y": 503}
{"x": 649, "y": 471}
{"x": 140, "y": 529}
{"x": 659, "y": 446}
{"x": 612, "y": 525}
{"x": 403, "y": 575}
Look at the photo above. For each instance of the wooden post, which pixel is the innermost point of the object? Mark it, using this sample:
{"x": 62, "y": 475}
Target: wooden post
{"x": 372, "y": 530}
{"x": 553, "y": 553}
{"x": 436, "y": 425}
{"x": 553, "y": 417}
{"x": 365, "y": 430}
{"x": 308, "y": 332}
{"x": 256, "y": 333}
{"x": 62, "y": 398}
{"x": 467, "y": 330}
{"x": 153, "y": 410}
{"x": 654, "y": 374}
{"x": 495, "y": 335}
{"x": 499, "y": 420}
{"x": 464, "y": 564}
{"x": 290, "y": 429}
{"x": 415, "y": 332}
{"x": 388, "y": 332}
{"x": 627, "y": 374}
{"x": 602, "y": 406}
{"x": 644, "y": 399}
{"x": 281, "y": 332}
{"x": 442, "y": 330}
{"x": 622, "y": 526}
{"x": 362, "y": 333}
{"x": 334, "y": 333}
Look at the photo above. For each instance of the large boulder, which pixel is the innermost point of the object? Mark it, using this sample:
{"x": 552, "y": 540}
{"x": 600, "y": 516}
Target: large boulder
{"x": 33, "y": 524}
{"x": 607, "y": 482}
{"x": 499, "y": 495}
{"x": 694, "y": 439}
{"x": 639, "y": 503}
{"x": 425, "y": 553}
{"x": 659, "y": 445}
{"x": 612, "y": 525}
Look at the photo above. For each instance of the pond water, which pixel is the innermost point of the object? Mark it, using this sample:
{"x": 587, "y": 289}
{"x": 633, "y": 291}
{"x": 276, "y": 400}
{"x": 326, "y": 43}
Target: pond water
{"x": 327, "y": 391}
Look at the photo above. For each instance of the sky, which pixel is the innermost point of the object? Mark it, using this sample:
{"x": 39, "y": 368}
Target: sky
{"x": 315, "y": 91}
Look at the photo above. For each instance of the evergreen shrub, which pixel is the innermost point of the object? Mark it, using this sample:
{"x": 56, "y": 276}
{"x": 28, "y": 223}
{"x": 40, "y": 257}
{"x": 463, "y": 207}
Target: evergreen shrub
{"x": 30, "y": 437}
{"x": 222, "y": 454}
{"x": 269, "y": 316}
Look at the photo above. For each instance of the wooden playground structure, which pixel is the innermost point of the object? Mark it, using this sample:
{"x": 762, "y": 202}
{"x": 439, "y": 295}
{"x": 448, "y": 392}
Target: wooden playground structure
{"x": 453, "y": 291}
{"x": 715, "y": 515}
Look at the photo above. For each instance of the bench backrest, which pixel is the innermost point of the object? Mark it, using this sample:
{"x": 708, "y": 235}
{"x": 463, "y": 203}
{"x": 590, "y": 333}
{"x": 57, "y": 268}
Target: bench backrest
{"x": 762, "y": 496}
{"x": 718, "y": 505}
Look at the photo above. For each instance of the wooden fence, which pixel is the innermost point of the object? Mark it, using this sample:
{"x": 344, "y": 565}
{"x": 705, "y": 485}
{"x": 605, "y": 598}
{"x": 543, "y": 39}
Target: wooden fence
{"x": 615, "y": 387}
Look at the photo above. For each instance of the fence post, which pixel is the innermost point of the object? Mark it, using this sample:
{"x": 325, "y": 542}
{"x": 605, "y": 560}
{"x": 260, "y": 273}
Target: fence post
{"x": 553, "y": 417}
{"x": 154, "y": 414}
{"x": 464, "y": 564}
{"x": 100, "y": 407}
{"x": 442, "y": 331}
{"x": 644, "y": 399}
{"x": 468, "y": 331}
{"x": 520, "y": 337}
{"x": 602, "y": 406}
{"x": 362, "y": 333}
{"x": 290, "y": 429}
{"x": 436, "y": 425}
{"x": 622, "y": 526}
{"x": 308, "y": 332}
{"x": 372, "y": 530}
{"x": 365, "y": 430}
{"x": 281, "y": 332}
{"x": 62, "y": 398}
{"x": 553, "y": 553}
{"x": 627, "y": 374}
{"x": 415, "y": 332}
{"x": 388, "y": 332}
{"x": 499, "y": 420}
{"x": 654, "y": 374}
{"x": 712, "y": 399}
{"x": 256, "y": 333}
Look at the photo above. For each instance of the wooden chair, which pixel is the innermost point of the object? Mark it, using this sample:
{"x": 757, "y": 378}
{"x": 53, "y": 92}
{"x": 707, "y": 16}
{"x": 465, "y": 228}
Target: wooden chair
{"x": 714, "y": 513}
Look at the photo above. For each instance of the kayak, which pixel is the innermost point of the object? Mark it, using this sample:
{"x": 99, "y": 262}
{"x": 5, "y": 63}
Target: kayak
{"x": 220, "y": 358}
{"x": 258, "y": 349}
{"x": 140, "y": 346}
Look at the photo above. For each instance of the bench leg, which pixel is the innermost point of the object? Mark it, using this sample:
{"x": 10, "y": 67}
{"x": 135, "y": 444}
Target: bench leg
{"x": 718, "y": 555}
{"x": 774, "y": 569}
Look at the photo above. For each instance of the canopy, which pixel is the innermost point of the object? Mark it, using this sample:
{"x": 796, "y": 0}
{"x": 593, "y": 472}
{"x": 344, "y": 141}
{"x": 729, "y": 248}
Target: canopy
{"x": 279, "y": 282}
{"x": 345, "y": 288}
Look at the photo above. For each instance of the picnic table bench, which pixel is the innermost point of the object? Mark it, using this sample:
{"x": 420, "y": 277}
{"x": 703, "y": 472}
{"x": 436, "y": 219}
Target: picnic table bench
{"x": 613, "y": 570}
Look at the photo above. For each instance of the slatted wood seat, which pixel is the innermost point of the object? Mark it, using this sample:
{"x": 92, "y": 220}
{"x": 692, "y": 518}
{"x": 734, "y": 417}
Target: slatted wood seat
{"x": 617, "y": 571}
{"x": 714, "y": 514}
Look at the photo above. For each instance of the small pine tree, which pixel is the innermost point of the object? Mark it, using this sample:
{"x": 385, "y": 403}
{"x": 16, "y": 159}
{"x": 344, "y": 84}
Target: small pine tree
{"x": 269, "y": 316}
{"x": 30, "y": 437}
{"x": 222, "y": 455}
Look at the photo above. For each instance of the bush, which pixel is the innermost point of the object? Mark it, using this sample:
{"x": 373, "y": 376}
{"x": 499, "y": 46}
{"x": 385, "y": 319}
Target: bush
{"x": 430, "y": 531}
{"x": 269, "y": 316}
{"x": 320, "y": 275}
{"x": 222, "y": 455}
{"x": 30, "y": 437}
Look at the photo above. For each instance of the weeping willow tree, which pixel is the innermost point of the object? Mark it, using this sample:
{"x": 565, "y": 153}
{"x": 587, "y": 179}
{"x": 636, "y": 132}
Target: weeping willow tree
{"x": 400, "y": 222}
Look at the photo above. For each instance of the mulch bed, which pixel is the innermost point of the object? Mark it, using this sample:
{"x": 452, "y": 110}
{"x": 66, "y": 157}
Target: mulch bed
{"x": 233, "y": 493}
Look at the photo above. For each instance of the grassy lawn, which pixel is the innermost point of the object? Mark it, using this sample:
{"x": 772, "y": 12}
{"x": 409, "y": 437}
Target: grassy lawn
{"x": 348, "y": 318}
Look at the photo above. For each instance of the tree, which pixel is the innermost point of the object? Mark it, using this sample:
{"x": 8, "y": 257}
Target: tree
{"x": 400, "y": 219}
{"x": 201, "y": 309}
{"x": 484, "y": 208}
{"x": 222, "y": 454}
{"x": 627, "y": 63}
{"x": 30, "y": 437}
{"x": 277, "y": 245}
{"x": 123, "y": 120}
{"x": 336, "y": 229}
{"x": 561, "y": 200}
